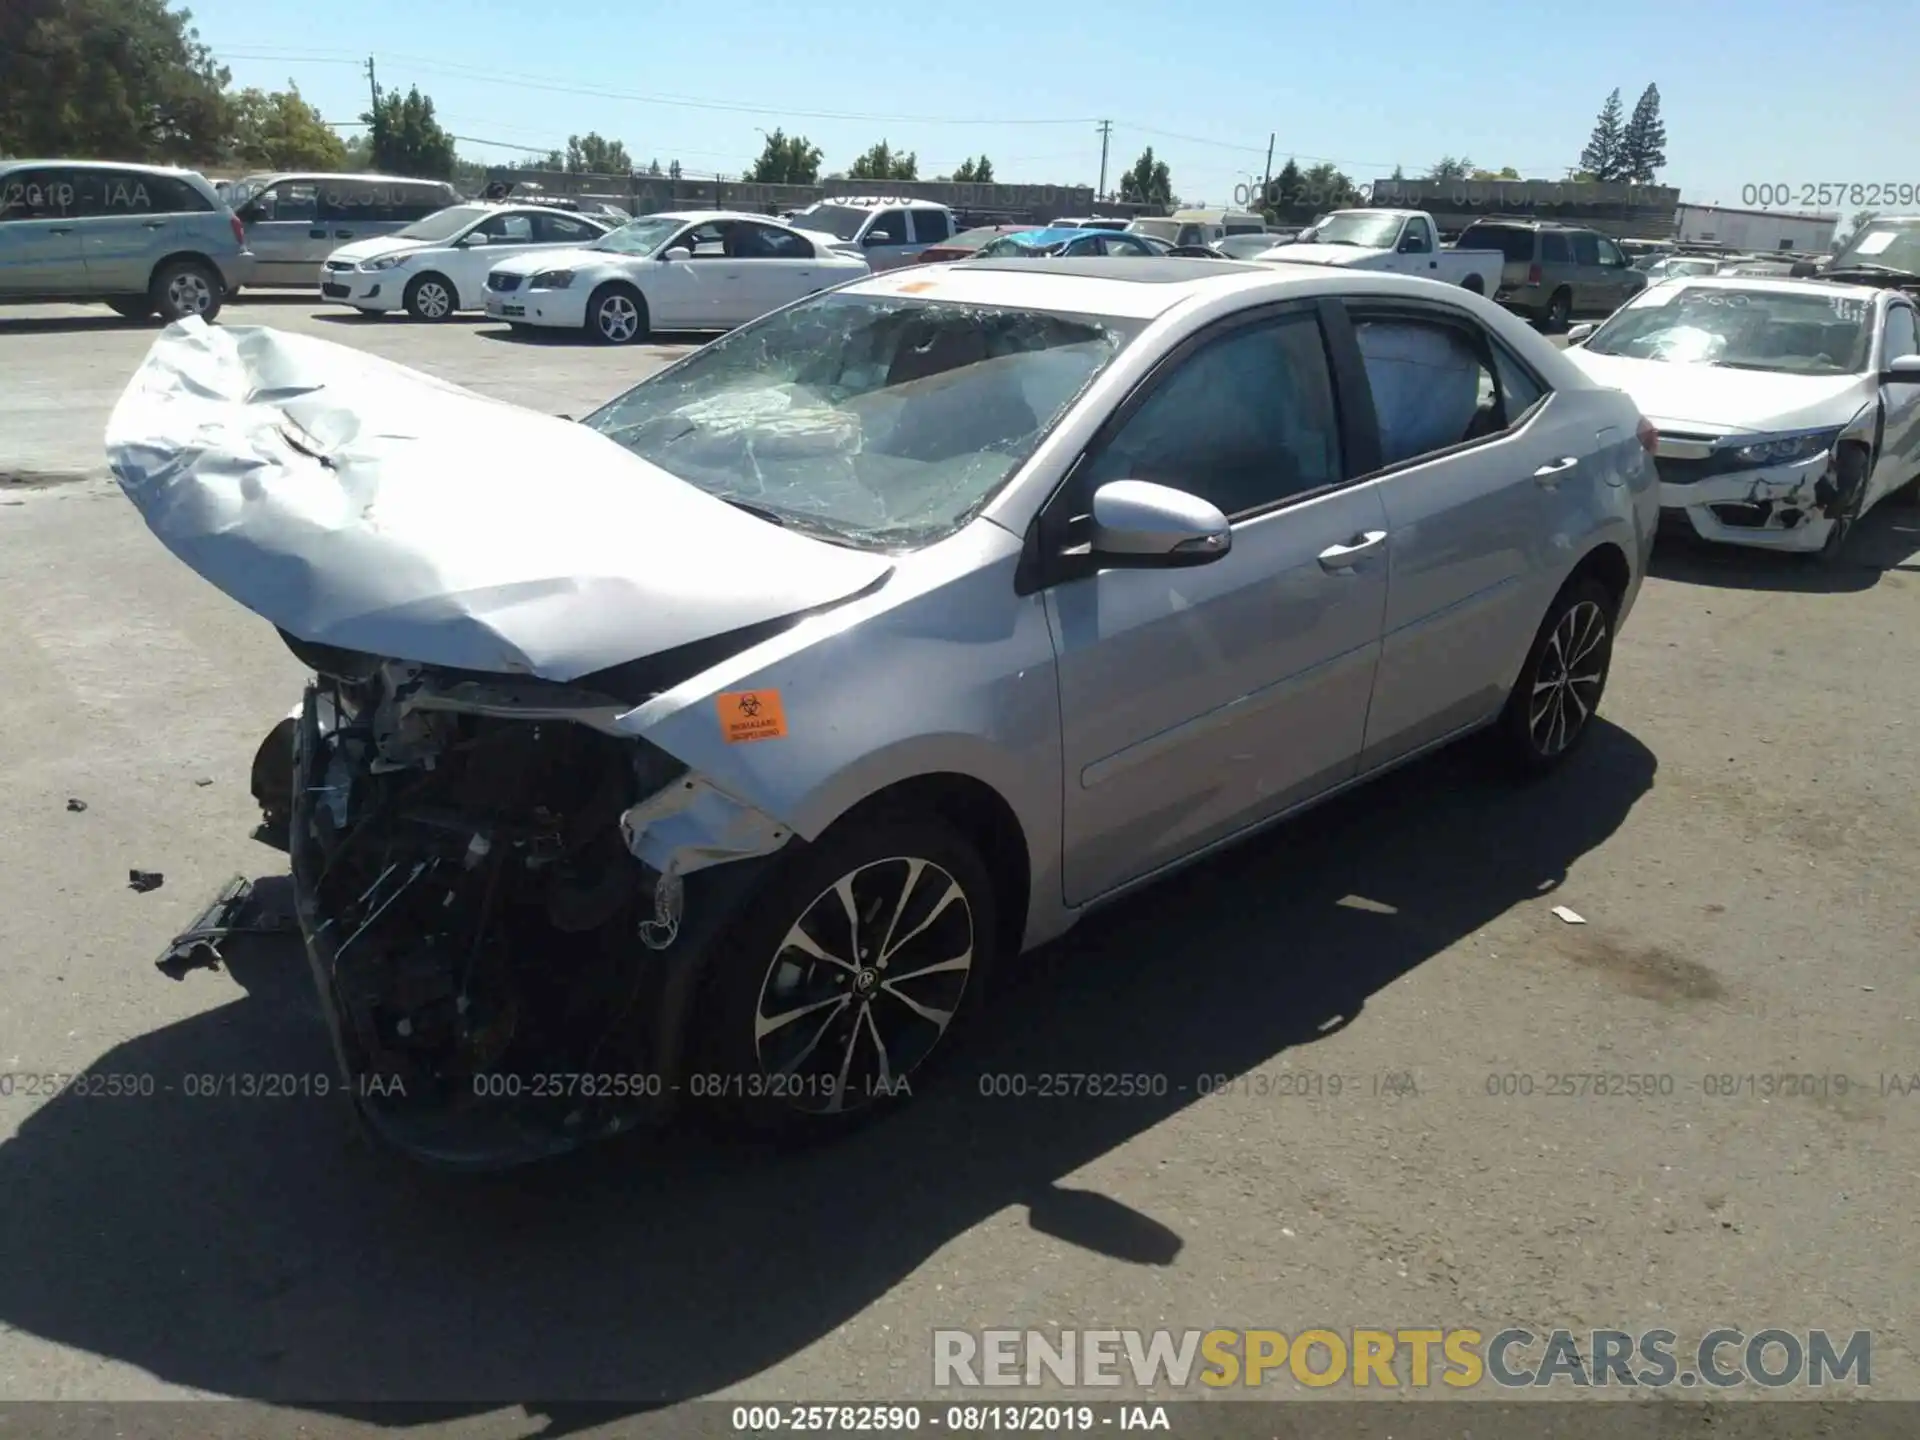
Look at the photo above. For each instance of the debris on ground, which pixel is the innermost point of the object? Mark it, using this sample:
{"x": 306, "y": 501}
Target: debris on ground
{"x": 1570, "y": 916}
{"x": 76, "y": 806}
{"x": 144, "y": 880}
{"x": 203, "y": 782}
{"x": 198, "y": 946}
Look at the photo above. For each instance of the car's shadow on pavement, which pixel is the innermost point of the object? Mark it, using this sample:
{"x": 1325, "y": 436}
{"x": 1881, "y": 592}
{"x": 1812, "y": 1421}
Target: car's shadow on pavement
{"x": 1887, "y": 539}
{"x": 71, "y": 324}
{"x": 260, "y": 1248}
{"x": 674, "y": 340}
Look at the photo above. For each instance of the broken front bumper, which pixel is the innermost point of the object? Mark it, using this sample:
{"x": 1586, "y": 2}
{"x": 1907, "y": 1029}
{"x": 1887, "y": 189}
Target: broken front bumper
{"x": 1782, "y": 507}
{"x": 513, "y": 1119}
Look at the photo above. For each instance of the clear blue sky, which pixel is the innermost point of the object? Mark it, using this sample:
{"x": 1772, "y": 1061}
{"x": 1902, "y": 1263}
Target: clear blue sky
{"x": 1753, "y": 92}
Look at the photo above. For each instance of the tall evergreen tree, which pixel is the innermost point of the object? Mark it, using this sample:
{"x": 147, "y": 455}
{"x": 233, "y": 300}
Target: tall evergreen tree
{"x": 1602, "y": 158}
{"x": 1643, "y": 146}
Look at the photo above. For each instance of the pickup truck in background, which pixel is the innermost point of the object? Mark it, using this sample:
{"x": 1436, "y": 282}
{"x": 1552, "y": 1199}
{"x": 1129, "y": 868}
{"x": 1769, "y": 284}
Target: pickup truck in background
{"x": 1404, "y": 241}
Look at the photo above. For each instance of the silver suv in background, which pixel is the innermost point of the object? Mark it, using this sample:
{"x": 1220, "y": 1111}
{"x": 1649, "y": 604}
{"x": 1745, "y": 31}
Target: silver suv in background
{"x": 295, "y": 221}
{"x": 886, "y": 231}
{"x": 142, "y": 238}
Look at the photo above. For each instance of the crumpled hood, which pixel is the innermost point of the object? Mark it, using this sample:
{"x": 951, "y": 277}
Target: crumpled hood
{"x": 534, "y": 261}
{"x": 1310, "y": 254}
{"x": 361, "y": 251}
{"x": 1713, "y": 398}
{"x": 356, "y": 503}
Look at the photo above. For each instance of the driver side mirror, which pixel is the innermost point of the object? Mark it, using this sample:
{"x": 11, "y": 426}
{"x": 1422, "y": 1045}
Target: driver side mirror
{"x": 677, "y": 253}
{"x": 879, "y": 237}
{"x": 476, "y": 239}
{"x": 1904, "y": 371}
{"x": 1578, "y": 333}
{"x": 1409, "y": 244}
{"x": 1141, "y": 526}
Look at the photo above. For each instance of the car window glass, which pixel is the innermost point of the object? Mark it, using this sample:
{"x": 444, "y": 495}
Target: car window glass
{"x": 707, "y": 242}
{"x": 1244, "y": 421}
{"x": 1431, "y": 388}
{"x": 291, "y": 200}
{"x": 1553, "y": 247}
{"x": 508, "y": 229}
{"x": 1903, "y": 336}
{"x": 113, "y": 192}
{"x": 1416, "y": 239}
{"x": 345, "y": 202}
{"x": 404, "y": 204}
{"x": 767, "y": 242}
{"x": 44, "y": 194}
{"x": 1586, "y": 248}
{"x": 563, "y": 230}
{"x": 894, "y": 223}
{"x": 174, "y": 196}
{"x": 1518, "y": 388}
{"x": 930, "y": 226}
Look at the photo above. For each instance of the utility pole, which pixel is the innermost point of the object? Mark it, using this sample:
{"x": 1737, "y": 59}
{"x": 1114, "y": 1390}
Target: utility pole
{"x": 1105, "y": 128}
{"x": 1266, "y": 179}
{"x": 373, "y": 85}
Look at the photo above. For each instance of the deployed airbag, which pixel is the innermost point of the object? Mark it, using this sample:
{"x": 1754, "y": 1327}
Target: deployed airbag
{"x": 356, "y": 503}
{"x": 1426, "y": 386}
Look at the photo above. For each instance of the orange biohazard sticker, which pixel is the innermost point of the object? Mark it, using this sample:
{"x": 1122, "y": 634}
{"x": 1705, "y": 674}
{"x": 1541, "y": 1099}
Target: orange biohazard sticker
{"x": 752, "y": 715}
{"x": 918, "y": 287}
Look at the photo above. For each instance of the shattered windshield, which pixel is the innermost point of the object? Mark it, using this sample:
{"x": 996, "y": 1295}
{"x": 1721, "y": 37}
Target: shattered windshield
{"x": 875, "y": 421}
{"x": 639, "y": 237}
{"x": 1369, "y": 230}
{"x": 1740, "y": 329}
{"x": 1892, "y": 245}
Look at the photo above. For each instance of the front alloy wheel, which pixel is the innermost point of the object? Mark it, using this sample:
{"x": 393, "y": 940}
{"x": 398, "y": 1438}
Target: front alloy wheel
{"x": 864, "y": 984}
{"x": 615, "y": 317}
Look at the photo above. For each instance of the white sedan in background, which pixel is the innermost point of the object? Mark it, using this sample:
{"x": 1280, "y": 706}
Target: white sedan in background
{"x": 1786, "y": 409}
{"x": 688, "y": 270}
{"x": 439, "y": 265}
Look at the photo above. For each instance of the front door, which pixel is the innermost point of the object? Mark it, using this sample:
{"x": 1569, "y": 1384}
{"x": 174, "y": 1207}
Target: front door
{"x": 285, "y": 234}
{"x": 1473, "y": 459}
{"x": 40, "y": 247}
{"x": 776, "y": 267}
{"x": 1195, "y": 702}
{"x": 887, "y": 240}
{"x": 1899, "y": 458}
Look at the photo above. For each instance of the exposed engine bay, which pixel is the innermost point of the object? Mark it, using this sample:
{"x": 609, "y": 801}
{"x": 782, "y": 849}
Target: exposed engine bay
{"x": 491, "y": 945}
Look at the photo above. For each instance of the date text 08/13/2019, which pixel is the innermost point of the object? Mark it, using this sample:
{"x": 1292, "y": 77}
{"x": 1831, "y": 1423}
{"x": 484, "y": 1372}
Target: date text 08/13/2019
{"x": 1827, "y": 194}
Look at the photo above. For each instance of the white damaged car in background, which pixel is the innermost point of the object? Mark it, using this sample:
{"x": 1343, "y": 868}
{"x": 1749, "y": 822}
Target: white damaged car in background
{"x": 1787, "y": 409}
{"x": 877, "y": 639}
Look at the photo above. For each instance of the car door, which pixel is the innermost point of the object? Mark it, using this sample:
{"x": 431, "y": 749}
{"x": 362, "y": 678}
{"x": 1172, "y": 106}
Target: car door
{"x": 1416, "y": 252}
{"x": 1591, "y": 285}
{"x": 1620, "y": 281}
{"x": 125, "y": 229}
{"x": 283, "y": 229}
{"x": 1196, "y": 702}
{"x": 684, "y": 294}
{"x": 932, "y": 225}
{"x": 1900, "y": 441}
{"x": 41, "y": 252}
{"x": 887, "y": 240}
{"x": 776, "y": 267}
{"x": 1473, "y": 463}
{"x": 498, "y": 237}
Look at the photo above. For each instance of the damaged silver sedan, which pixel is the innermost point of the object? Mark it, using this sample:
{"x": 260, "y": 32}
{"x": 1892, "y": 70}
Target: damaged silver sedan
{"x": 714, "y": 748}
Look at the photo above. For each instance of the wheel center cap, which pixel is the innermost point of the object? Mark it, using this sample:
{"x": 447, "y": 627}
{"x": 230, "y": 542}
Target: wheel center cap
{"x": 865, "y": 981}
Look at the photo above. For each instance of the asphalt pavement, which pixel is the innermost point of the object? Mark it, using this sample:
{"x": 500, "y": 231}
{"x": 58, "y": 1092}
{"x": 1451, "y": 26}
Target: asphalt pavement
{"x": 1384, "y": 984}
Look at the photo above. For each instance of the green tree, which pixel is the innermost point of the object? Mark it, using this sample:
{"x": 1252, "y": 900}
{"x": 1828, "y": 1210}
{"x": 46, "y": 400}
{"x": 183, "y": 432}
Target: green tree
{"x": 552, "y": 160}
{"x": 1450, "y": 167}
{"x": 786, "y": 160}
{"x": 1147, "y": 181}
{"x": 673, "y": 170}
{"x": 1604, "y": 157}
{"x": 1506, "y": 172}
{"x": 593, "y": 154}
{"x": 1326, "y": 187}
{"x": 975, "y": 172}
{"x": 883, "y": 162}
{"x": 1643, "y": 145}
{"x": 407, "y": 140}
{"x": 278, "y": 130}
{"x": 653, "y": 169}
{"x": 108, "y": 79}
{"x": 1398, "y": 174}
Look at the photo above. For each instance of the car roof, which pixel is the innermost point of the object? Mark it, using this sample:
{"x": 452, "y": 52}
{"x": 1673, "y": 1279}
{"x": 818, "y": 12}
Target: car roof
{"x": 879, "y": 202}
{"x": 688, "y": 217}
{"x": 140, "y": 165}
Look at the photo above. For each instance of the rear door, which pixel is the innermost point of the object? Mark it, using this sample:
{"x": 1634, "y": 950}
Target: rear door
{"x": 931, "y": 226}
{"x": 1196, "y": 702}
{"x": 499, "y": 237}
{"x": 1471, "y": 461}
{"x": 1620, "y": 282}
{"x": 126, "y": 228}
{"x": 1591, "y": 284}
{"x": 887, "y": 239}
{"x": 41, "y": 252}
{"x": 776, "y": 266}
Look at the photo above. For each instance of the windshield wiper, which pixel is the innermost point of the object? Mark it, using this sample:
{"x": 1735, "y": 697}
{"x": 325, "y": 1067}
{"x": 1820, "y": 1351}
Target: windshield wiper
{"x": 1867, "y": 267}
{"x": 759, "y": 512}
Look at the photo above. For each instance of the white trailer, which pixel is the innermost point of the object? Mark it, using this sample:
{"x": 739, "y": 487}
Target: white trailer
{"x": 1756, "y": 231}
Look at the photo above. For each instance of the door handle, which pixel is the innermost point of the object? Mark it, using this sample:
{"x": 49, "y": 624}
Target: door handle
{"x": 62, "y": 230}
{"x": 316, "y": 234}
{"x": 153, "y": 224}
{"x": 343, "y": 234}
{"x": 1550, "y": 474}
{"x": 1338, "y": 558}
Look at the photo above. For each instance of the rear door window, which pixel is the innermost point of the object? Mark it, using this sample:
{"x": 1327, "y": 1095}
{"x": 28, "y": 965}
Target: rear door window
{"x": 893, "y": 223}
{"x": 46, "y": 193}
{"x": 1553, "y": 248}
{"x": 291, "y": 200}
{"x": 553, "y": 229}
{"x": 930, "y": 227}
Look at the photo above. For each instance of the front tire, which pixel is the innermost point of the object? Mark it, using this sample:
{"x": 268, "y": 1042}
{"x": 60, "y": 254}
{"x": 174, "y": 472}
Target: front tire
{"x": 432, "y": 298}
{"x": 183, "y": 288}
{"x": 617, "y": 315}
{"x": 1550, "y": 711}
{"x": 828, "y": 997}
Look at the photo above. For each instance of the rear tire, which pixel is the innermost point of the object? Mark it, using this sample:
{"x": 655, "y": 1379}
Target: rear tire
{"x": 905, "y": 889}
{"x": 183, "y": 288}
{"x": 1559, "y": 312}
{"x": 1550, "y": 711}
{"x": 1474, "y": 285}
{"x": 432, "y": 298}
{"x": 617, "y": 315}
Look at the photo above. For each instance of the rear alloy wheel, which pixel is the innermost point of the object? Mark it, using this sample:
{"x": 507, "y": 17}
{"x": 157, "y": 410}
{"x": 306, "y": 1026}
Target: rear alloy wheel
{"x": 1551, "y": 709}
{"x": 617, "y": 316}
{"x": 834, "y": 988}
{"x": 184, "y": 288}
{"x": 432, "y": 298}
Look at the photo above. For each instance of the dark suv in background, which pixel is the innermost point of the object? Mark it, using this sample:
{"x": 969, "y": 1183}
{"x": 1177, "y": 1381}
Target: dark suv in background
{"x": 1554, "y": 272}
{"x": 141, "y": 238}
